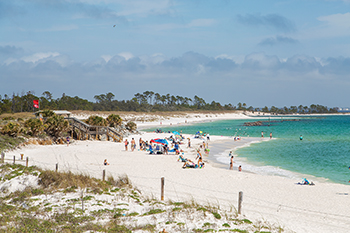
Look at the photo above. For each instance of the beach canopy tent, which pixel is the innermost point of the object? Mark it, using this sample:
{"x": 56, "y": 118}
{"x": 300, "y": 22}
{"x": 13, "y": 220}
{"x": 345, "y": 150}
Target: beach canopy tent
{"x": 176, "y": 133}
{"x": 159, "y": 141}
{"x": 57, "y": 112}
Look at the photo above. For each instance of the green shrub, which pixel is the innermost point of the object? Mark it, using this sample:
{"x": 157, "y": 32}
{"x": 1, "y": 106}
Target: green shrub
{"x": 154, "y": 211}
{"x": 216, "y": 215}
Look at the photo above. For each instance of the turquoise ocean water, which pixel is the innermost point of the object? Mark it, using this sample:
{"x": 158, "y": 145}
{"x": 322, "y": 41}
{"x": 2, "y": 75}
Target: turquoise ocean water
{"x": 324, "y": 151}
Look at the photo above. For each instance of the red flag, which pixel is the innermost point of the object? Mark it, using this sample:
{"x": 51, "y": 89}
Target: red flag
{"x": 36, "y": 103}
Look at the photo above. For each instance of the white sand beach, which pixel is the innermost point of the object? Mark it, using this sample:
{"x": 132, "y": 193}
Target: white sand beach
{"x": 275, "y": 199}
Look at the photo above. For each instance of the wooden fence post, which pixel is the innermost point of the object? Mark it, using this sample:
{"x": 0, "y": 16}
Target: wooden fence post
{"x": 240, "y": 199}
{"x": 103, "y": 175}
{"x": 2, "y": 157}
{"x": 82, "y": 200}
{"x": 56, "y": 167}
{"x": 27, "y": 162}
{"x": 162, "y": 189}
{"x": 14, "y": 159}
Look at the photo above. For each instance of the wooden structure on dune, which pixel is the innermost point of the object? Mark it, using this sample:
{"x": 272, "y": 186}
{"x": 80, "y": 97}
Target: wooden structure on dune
{"x": 83, "y": 131}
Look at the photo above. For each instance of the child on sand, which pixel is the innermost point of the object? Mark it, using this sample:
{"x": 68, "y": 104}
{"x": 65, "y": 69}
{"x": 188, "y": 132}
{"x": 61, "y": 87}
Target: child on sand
{"x": 105, "y": 162}
{"x": 240, "y": 168}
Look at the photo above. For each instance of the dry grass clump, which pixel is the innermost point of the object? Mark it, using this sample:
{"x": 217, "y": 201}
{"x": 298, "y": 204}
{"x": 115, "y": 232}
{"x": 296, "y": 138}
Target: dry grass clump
{"x": 63, "y": 180}
{"x": 123, "y": 181}
{"x": 38, "y": 141}
{"x": 23, "y": 115}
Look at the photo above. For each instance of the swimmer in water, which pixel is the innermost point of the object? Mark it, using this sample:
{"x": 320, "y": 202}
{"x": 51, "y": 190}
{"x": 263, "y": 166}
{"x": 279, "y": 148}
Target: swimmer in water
{"x": 301, "y": 137}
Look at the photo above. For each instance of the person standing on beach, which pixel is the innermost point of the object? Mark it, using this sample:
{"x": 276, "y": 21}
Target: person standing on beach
{"x": 262, "y": 134}
{"x": 231, "y": 163}
{"x": 189, "y": 142}
{"x": 133, "y": 144}
{"x": 208, "y": 138}
{"x": 270, "y": 135}
{"x": 199, "y": 157}
{"x": 230, "y": 154}
{"x": 240, "y": 168}
{"x": 126, "y": 144}
{"x": 140, "y": 142}
{"x": 68, "y": 141}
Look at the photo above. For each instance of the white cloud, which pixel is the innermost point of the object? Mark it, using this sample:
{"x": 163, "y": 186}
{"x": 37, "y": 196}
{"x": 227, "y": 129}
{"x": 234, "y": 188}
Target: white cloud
{"x": 336, "y": 20}
{"x": 126, "y": 55}
{"x": 10, "y": 60}
{"x": 236, "y": 59}
{"x": 106, "y": 57}
{"x": 39, "y": 56}
{"x": 335, "y": 25}
{"x": 156, "y": 58}
{"x": 279, "y": 76}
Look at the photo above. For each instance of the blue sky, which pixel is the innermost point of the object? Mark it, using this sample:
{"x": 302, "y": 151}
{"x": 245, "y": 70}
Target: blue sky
{"x": 269, "y": 52}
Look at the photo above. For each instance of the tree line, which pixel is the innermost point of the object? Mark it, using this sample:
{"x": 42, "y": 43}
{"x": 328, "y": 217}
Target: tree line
{"x": 147, "y": 101}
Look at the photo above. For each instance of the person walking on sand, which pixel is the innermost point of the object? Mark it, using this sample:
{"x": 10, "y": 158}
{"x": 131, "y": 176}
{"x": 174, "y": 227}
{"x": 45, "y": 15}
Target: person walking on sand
{"x": 199, "y": 157}
{"x": 126, "y": 144}
{"x": 133, "y": 144}
{"x": 270, "y": 135}
{"x": 189, "y": 142}
{"x": 262, "y": 134}
{"x": 231, "y": 163}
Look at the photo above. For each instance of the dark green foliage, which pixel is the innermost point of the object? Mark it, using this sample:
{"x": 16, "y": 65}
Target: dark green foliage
{"x": 34, "y": 126}
{"x": 96, "y": 121}
{"x": 114, "y": 120}
{"x": 12, "y": 129}
{"x": 216, "y": 215}
{"x": 47, "y": 113}
{"x": 56, "y": 125}
{"x": 154, "y": 211}
{"x": 119, "y": 229}
{"x": 226, "y": 225}
{"x": 142, "y": 102}
{"x": 8, "y": 142}
{"x": 131, "y": 126}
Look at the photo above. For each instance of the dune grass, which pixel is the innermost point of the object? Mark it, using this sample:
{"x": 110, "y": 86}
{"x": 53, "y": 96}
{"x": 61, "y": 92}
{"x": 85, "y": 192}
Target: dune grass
{"x": 68, "y": 202}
